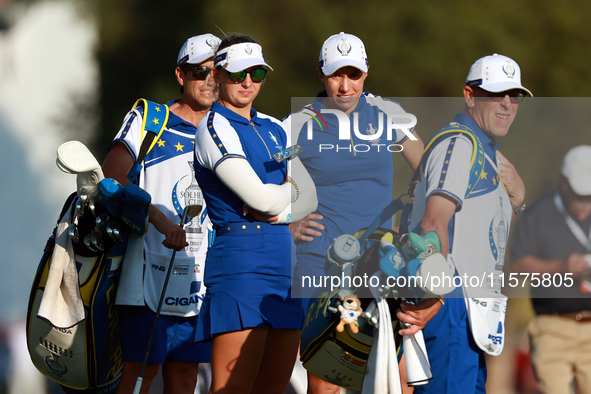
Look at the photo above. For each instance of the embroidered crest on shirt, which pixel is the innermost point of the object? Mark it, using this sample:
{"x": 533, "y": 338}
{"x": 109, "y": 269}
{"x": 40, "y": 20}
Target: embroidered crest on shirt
{"x": 273, "y": 138}
{"x": 498, "y": 233}
{"x": 371, "y": 131}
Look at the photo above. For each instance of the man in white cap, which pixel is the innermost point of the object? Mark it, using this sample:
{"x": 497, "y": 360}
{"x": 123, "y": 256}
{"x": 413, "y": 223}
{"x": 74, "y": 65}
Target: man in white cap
{"x": 167, "y": 175}
{"x": 552, "y": 243}
{"x": 468, "y": 192}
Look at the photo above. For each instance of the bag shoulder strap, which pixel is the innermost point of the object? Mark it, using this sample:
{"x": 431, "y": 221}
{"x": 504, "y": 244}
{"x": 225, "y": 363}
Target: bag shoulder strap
{"x": 477, "y": 160}
{"x": 153, "y": 122}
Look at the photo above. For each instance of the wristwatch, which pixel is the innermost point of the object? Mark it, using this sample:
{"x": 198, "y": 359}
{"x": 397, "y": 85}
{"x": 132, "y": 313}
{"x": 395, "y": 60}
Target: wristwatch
{"x": 517, "y": 209}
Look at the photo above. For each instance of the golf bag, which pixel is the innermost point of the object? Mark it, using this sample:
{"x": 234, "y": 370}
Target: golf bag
{"x": 341, "y": 357}
{"x": 86, "y": 357}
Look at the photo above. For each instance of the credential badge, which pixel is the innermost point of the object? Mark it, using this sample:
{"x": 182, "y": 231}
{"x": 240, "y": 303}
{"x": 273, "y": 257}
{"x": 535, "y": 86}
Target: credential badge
{"x": 344, "y": 47}
{"x": 509, "y": 69}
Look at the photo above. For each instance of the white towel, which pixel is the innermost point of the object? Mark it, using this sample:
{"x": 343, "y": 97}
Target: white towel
{"x": 61, "y": 304}
{"x": 418, "y": 369}
{"x": 131, "y": 284}
{"x": 382, "y": 375}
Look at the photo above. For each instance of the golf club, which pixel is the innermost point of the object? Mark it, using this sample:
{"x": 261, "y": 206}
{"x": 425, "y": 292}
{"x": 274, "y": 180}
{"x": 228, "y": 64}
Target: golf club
{"x": 113, "y": 230}
{"x": 101, "y": 222}
{"x": 89, "y": 245}
{"x": 80, "y": 206}
{"x": 92, "y": 207}
{"x": 97, "y": 242}
{"x": 191, "y": 211}
{"x": 73, "y": 233}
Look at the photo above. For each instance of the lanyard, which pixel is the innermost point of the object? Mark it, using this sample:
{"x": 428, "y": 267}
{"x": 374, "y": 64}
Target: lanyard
{"x": 574, "y": 227}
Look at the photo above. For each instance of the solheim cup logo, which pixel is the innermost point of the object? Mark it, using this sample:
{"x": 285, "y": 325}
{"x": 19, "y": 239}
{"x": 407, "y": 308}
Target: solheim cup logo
{"x": 509, "y": 69}
{"x": 344, "y": 47}
{"x": 212, "y": 43}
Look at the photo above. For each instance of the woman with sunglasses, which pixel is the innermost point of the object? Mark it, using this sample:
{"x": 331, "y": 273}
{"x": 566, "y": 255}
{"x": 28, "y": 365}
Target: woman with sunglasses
{"x": 248, "y": 311}
{"x": 168, "y": 174}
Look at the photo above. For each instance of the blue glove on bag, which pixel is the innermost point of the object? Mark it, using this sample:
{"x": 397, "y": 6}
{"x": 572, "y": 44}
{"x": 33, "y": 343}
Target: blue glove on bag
{"x": 135, "y": 208}
{"x": 111, "y": 196}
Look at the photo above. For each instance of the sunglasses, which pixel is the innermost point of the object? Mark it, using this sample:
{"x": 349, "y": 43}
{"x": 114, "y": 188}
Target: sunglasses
{"x": 257, "y": 75}
{"x": 516, "y": 96}
{"x": 200, "y": 73}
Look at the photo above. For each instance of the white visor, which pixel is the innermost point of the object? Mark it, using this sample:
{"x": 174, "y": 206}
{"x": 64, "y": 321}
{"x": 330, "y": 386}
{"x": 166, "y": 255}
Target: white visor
{"x": 241, "y": 56}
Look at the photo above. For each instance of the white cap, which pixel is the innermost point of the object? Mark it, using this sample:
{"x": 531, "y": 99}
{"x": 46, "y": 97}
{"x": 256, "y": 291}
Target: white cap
{"x": 342, "y": 50}
{"x": 240, "y": 56}
{"x": 576, "y": 167}
{"x": 496, "y": 73}
{"x": 197, "y": 49}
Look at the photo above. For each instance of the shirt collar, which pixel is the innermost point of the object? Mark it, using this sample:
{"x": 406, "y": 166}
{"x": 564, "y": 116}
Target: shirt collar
{"x": 231, "y": 115}
{"x": 490, "y": 145}
{"x": 174, "y": 120}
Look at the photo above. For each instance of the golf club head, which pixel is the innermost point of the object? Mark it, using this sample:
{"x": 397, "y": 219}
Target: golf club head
{"x": 89, "y": 245}
{"x": 73, "y": 233}
{"x": 101, "y": 222}
{"x": 113, "y": 230}
{"x": 384, "y": 291}
{"x": 80, "y": 208}
{"x": 375, "y": 317}
{"x": 369, "y": 310}
{"x": 97, "y": 242}
{"x": 92, "y": 207}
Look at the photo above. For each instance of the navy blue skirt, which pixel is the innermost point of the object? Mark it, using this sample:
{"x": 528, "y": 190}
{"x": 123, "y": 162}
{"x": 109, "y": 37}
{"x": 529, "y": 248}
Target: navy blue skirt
{"x": 248, "y": 279}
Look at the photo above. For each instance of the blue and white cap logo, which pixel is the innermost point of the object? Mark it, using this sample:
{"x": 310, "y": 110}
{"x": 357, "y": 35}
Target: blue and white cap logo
{"x": 241, "y": 56}
{"x": 212, "y": 42}
{"x": 509, "y": 69}
{"x": 344, "y": 47}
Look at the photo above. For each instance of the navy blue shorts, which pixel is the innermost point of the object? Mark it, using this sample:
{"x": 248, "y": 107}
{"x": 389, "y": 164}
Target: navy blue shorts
{"x": 173, "y": 339}
{"x": 458, "y": 365}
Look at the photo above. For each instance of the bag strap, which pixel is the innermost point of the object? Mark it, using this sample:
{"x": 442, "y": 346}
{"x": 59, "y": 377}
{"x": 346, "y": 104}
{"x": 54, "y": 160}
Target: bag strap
{"x": 476, "y": 162}
{"x": 153, "y": 123}
{"x": 390, "y": 210}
